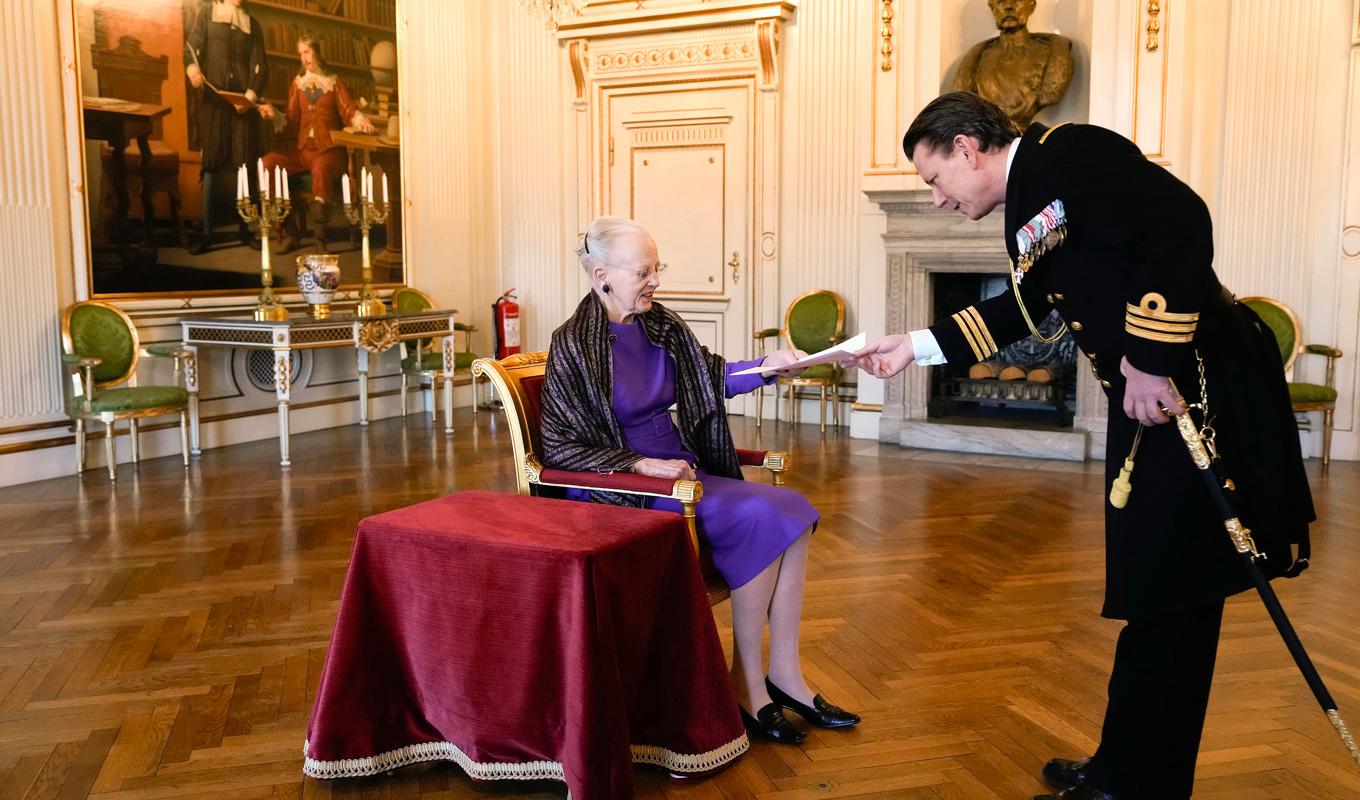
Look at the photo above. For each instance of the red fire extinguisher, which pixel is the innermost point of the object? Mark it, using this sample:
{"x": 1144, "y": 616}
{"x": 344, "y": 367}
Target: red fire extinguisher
{"x": 505, "y": 312}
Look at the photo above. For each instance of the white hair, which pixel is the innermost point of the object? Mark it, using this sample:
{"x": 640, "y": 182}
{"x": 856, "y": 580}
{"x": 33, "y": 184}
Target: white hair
{"x": 604, "y": 232}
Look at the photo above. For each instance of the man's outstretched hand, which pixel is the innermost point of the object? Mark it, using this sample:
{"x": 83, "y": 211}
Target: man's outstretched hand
{"x": 885, "y": 356}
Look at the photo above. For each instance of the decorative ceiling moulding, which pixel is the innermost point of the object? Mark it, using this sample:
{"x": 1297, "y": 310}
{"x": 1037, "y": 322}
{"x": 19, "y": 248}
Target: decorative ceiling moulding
{"x": 600, "y": 20}
{"x": 728, "y": 49}
{"x": 553, "y": 11}
{"x": 739, "y": 47}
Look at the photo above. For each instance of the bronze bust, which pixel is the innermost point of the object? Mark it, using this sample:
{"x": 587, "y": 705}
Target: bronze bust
{"x": 1020, "y": 71}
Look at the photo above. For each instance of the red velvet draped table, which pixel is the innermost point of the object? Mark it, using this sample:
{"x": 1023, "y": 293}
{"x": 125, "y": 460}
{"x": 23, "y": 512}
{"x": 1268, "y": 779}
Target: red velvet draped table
{"x": 524, "y": 637}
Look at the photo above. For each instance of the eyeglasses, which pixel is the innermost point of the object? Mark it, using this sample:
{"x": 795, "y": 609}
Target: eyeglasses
{"x": 645, "y": 274}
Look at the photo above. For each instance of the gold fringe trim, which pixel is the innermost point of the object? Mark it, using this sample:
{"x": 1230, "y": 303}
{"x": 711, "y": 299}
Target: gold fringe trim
{"x": 684, "y": 762}
{"x": 500, "y": 770}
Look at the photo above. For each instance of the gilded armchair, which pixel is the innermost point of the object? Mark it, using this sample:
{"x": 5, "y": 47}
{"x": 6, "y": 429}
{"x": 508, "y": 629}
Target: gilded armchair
{"x": 1284, "y": 323}
{"x": 100, "y": 351}
{"x": 814, "y": 321}
{"x": 423, "y": 359}
{"x": 518, "y": 381}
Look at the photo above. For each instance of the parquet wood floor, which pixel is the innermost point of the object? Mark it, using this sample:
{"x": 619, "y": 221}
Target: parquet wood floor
{"x": 163, "y": 637}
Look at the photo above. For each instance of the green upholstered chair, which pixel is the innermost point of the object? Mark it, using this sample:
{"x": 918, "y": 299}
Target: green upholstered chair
{"x": 1284, "y": 323}
{"x": 814, "y": 321}
{"x": 424, "y": 358}
{"x": 100, "y": 350}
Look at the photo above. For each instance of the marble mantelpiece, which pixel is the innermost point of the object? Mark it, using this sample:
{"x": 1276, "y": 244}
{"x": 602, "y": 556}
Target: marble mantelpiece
{"x": 921, "y": 240}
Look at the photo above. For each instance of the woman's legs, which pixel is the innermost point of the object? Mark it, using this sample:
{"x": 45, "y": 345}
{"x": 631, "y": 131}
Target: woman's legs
{"x": 786, "y": 611}
{"x": 775, "y": 594}
{"x": 750, "y": 609}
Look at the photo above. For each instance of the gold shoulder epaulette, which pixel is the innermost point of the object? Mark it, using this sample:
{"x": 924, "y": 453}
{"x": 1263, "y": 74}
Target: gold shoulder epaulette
{"x": 1150, "y": 320}
{"x": 1050, "y": 131}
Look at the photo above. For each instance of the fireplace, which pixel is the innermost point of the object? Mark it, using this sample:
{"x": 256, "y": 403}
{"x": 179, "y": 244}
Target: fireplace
{"x": 934, "y": 257}
{"x": 1030, "y": 381}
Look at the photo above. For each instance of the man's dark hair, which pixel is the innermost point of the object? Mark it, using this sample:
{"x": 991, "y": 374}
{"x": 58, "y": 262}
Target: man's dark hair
{"x": 957, "y": 113}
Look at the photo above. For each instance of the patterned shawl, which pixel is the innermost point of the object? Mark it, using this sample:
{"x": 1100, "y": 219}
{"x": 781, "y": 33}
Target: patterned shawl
{"x": 578, "y": 428}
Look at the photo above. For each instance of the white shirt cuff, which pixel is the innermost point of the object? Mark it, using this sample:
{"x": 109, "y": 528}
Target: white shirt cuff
{"x": 926, "y": 349}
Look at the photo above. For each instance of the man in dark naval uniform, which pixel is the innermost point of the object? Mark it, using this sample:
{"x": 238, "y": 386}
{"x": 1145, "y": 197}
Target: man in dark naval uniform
{"x": 1123, "y": 251}
{"x": 225, "y": 48}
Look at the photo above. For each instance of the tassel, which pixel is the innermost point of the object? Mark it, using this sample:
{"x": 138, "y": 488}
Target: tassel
{"x": 1122, "y": 487}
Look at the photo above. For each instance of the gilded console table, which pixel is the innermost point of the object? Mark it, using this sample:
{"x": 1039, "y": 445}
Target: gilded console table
{"x": 300, "y": 332}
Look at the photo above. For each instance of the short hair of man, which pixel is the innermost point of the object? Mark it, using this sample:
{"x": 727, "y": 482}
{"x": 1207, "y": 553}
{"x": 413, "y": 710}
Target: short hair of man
{"x": 957, "y": 113}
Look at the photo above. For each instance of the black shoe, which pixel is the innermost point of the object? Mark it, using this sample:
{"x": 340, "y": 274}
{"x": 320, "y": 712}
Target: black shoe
{"x": 771, "y": 723}
{"x": 1063, "y": 773}
{"x": 200, "y": 246}
{"x": 821, "y": 713}
{"x": 1082, "y": 792}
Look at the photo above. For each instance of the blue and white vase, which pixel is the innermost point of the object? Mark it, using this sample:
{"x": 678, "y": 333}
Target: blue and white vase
{"x": 318, "y": 276}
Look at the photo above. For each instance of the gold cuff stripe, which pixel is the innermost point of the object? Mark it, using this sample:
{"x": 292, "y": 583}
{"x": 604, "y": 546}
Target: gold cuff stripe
{"x": 979, "y": 332}
{"x": 968, "y": 335}
{"x": 1168, "y": 327}
{"x": 1165, "y": 316}
{"x": 1169, "y": 338}
{"x": 982, "y": 326}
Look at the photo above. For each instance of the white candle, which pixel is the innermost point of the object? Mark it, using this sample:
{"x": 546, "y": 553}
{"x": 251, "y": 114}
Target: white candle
{"x": 344, "y": 189}
{"x": 371, "y": 195}
{"x": 286, "y": 194}
{"x": 278, "y": 184}
{"x": 363, "y": 183}
{"x": 261, "y": 183}
{"x": 238, "y": 183}
{"x": 384, "y": 188}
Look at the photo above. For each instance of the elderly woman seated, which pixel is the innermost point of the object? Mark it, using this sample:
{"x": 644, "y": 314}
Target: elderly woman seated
{"x": 614, "y": 370}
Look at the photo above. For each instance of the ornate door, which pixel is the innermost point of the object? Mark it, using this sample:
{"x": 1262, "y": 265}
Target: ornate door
{"x": 680, "y": 166}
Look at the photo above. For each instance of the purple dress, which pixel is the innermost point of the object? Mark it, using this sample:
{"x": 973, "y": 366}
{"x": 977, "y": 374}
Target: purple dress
{"x": 745, "y": 524}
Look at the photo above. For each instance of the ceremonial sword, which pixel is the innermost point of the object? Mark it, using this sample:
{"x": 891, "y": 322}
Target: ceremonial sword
{"x": 1219, "y": 489}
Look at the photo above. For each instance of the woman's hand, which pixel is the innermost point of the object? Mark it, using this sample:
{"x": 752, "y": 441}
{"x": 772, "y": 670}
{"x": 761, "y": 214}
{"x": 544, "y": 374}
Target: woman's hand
{"x": 672, "y": 468}
{"x": 363, "y": 124}
{"x": 780, "y": 358}
{"x": 266, "y": 110}
{"x": 196, "y": 79}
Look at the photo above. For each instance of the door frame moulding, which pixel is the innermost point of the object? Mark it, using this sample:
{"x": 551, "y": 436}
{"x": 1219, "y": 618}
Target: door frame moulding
{"x": 716, "y": 43}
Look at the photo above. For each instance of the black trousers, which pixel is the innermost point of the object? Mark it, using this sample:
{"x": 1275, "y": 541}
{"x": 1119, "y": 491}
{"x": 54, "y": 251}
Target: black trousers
{"x": 1159, "y": 690}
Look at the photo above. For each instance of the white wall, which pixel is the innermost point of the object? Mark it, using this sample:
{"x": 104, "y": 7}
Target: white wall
{"x": 34, "y": 238}
{"x": 1262, "y": 111}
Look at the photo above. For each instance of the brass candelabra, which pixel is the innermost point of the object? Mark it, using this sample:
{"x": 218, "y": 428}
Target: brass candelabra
{"x": 366, "y": 213}
{"x": 266, "y": 213}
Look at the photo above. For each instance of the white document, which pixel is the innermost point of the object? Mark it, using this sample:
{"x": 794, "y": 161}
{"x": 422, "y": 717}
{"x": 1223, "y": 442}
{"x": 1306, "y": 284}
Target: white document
{"x": 831, "y": 355}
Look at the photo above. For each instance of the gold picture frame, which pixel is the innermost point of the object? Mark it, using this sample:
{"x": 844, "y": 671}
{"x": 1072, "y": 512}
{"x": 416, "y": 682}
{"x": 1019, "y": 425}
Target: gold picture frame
{"x": 126, "y": 86}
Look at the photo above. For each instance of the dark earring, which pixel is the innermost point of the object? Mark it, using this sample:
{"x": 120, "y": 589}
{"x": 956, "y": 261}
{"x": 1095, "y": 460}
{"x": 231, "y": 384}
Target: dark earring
{"x": 605, "y": 288}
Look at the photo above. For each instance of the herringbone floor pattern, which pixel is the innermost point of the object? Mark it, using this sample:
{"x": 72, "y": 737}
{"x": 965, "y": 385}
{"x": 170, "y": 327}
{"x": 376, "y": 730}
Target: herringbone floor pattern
{"x": 163, "y": 637}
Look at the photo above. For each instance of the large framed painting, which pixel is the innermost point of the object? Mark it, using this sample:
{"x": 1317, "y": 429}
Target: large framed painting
{"x": 177, "y": 95}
